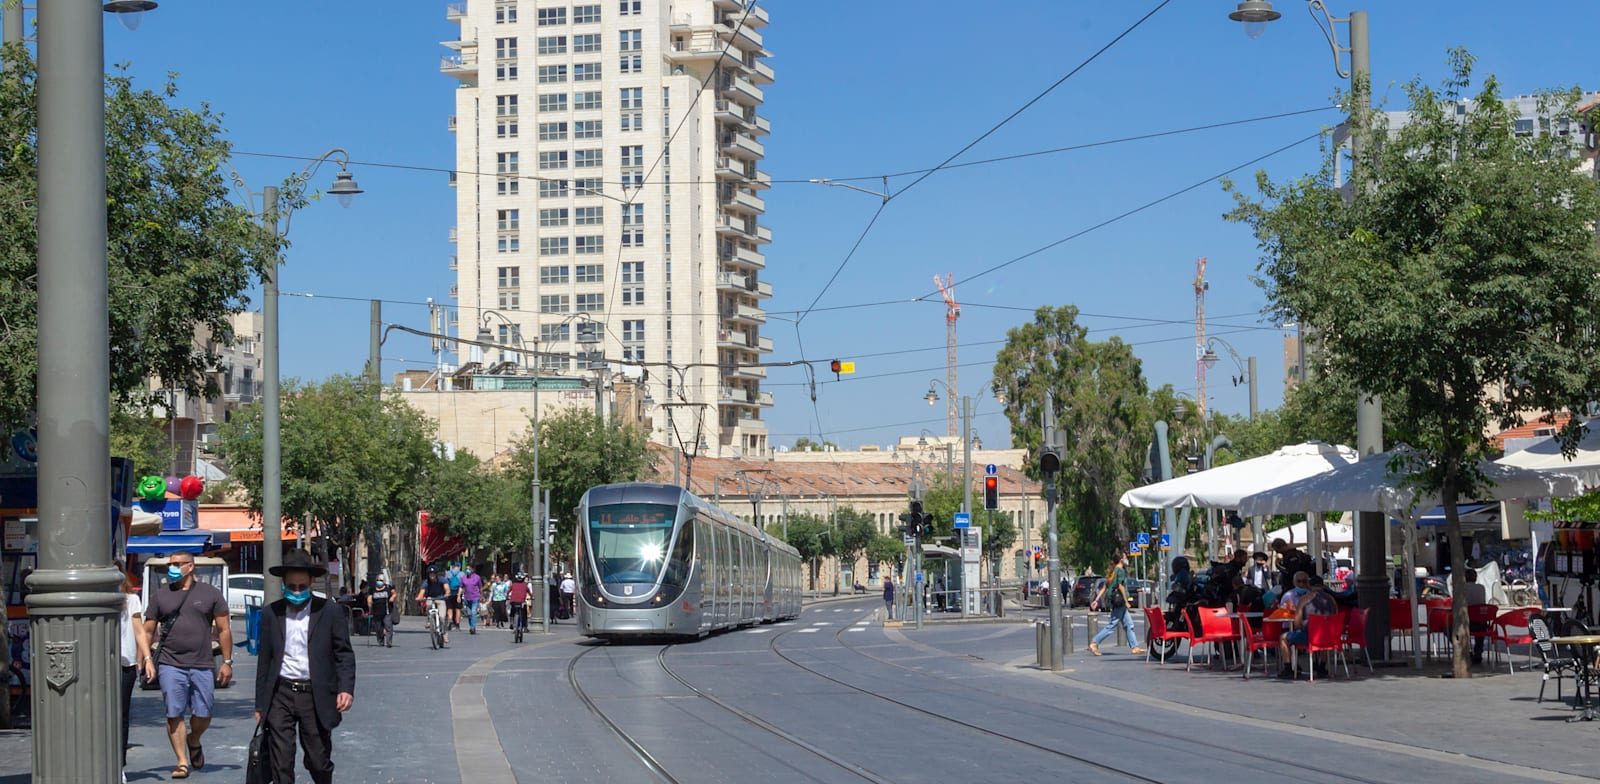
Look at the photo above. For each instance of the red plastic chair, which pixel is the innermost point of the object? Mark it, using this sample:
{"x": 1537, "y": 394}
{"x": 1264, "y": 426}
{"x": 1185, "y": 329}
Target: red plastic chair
{"x": 1355, "y": 636}
{"x": 1438, "y": 621}
{"x": 1156, "y": 629}
{"x": 1215, "y": 627}
{"x": 1482, "y": 616}
{"x": 1324, "y": 634}
{"x": 1264, "y": 640}
{"x": 1511, "y": 628}
{"x": 1401, "y": 618}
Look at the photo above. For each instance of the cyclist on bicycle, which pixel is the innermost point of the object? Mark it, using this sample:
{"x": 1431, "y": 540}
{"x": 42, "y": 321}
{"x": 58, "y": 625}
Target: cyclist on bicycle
{"x": 518, "y": 597}
{"x": 381, "y": 607}
{"x": 432, "y": 596}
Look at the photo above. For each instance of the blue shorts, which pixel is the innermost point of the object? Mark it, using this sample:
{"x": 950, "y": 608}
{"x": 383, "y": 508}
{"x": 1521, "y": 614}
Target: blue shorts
{"x": 1297, "y": 637}
{"x": 187, "y": 691}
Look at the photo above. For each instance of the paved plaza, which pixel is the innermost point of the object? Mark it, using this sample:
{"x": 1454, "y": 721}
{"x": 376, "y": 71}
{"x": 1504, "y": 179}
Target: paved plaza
{"x": 835, "y": 696}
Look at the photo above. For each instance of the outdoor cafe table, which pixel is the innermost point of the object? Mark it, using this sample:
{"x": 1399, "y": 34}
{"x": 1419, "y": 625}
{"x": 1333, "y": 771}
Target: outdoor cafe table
{"x": 1244, "y": 639}
{"x": 1585, "y": 670}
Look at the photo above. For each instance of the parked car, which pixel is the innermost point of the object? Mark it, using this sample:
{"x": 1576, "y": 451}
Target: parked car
{"x": 242, "y": 585}
{"x": 1037, "y": 589}
{"x": 1084, "y": 590}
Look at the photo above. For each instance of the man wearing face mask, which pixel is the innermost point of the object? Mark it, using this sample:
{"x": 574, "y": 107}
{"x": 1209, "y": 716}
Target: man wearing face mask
{"x": 305, "y": 673}
{"x": 182, "y": 614}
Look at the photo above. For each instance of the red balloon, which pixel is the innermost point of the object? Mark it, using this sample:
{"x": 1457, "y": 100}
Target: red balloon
{"x": 191, "y": 487}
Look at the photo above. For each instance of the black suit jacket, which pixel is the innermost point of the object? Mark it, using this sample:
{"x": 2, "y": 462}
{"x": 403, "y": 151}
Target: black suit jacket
{"x": 333, "y": 661}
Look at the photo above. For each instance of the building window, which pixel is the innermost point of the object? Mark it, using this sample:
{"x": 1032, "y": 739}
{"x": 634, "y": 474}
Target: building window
{"x": 554, "y": 333}
{"x": 586, "y": 72}
{"x": 505, "y": 48}
{"x": 633, "y": 98}
{"x": 552, "y": 132}
{"x": 554, "y": 363}
{"x": 553, "y": 103}
{"x": 586, "y": 100}
{"x": 589, "y": 186}
{"x": 505, "y": 106}
{"x": 553, "y": 303}
{"x": 552, "y": 16}
{"x": 590, "y": 273}
{"x": 507, "y": 186}
{"x": 633, "y": 155}
{"x": 552, "y": 275}
{"x": 631, "y": 64}
{"x": 632, "y": 295}
{"x": 585, "y": 43}
{"x": 633, "y": 331}
{"x": 633, "y": 239}
{"x": 552, "y": 74}
{"x": 633, "y": 121}
{"x": 589, "y": 245}
{"x": 553, "y": 160}
{"x": 630, "y": 7}
{"x": 550, "y": 189}
{"x": 587, "y": 159}
{"x": 505, "y": 129}
{"x": 509, "y": 243}
{"x": 633, "y": 214}
{"x": 589, "y": 216}
{"x": 553, "y": 246}
{"x": 591, "y": 303}
{"x": 630, "y": 41}
{"x": 510, "y": 334}
{"x": 506, "y": 12}
{"x": 510, "y": 299}
{"x": 555, "y": 44}
{"x": 508, "y": 277}
{"x": 586, "y": 129}
{"x": 505, "y": 163}
{"x": 553, "y": 217}
{"x": 586, "y": 14}
{"x": 508, "y": 220}
{"x": 632, "y": 272}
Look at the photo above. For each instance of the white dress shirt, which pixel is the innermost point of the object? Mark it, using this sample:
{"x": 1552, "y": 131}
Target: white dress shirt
{"x": 131, "y": 606}
{"x": 297, "y": 643}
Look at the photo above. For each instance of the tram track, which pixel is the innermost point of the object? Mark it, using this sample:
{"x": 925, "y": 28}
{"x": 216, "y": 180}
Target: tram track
{"x": 638, "y": 750}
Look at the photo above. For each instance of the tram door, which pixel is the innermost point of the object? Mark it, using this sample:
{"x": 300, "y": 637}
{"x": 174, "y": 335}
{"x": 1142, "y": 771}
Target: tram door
{"x": 725, "y": 574}
{"x": 707, "y": 546}
{"x": 749, "y": 578}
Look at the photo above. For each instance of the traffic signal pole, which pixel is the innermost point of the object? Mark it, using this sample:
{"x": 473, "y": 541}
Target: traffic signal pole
{"x": 1050, "y": 465}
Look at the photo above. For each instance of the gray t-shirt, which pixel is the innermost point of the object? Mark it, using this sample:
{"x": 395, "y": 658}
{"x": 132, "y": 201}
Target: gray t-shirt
{"x": 189, "y": 642}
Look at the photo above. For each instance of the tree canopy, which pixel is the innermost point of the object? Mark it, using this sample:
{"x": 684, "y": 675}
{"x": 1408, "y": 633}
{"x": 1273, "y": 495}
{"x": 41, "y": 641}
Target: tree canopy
{"x": 1462, "y": 283}
{"x": 576, "y": 452}
{"x": 180, "y": 254}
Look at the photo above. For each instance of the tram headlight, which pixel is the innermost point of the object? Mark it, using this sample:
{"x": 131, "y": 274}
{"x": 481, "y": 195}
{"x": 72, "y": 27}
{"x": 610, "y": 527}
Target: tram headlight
{"x": 651, "y": 553}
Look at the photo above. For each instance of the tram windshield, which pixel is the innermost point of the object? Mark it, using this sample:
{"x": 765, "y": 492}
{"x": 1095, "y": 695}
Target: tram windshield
{"x": 630, "y": 542}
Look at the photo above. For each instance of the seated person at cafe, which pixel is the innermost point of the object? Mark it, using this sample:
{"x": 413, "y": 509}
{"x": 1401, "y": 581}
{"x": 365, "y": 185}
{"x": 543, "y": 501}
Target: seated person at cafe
{"x": 1476, "y": 594}
{"x": 1291, "y": 562}
{"x": 1315, "y": 601}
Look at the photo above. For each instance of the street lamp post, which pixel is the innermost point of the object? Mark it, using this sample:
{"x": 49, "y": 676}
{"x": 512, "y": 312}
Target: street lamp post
{"x": 1247, "y": 368}
{"x": 345, "y": 189}
{"x": 539, "y": 514}
{"x": 1372, "y": 578}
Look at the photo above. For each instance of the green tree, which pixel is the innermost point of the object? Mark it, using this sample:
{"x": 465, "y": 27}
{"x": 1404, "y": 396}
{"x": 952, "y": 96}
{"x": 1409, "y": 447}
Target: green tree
{"x": 353, "y": 463}
{"x": 486, "y": 508}
{"x": 811, "y": 536}
{"x": 136, "y": 436}
{"x": 180, "y": 258}
{"x": 1102, "y": 407}
{"x": 804, "y": 444}
{"x": 576, "y": 452}
{"x": 884, "y": 549}
{"x": 852, "y": 531}
{"x": 1463, "y": 284}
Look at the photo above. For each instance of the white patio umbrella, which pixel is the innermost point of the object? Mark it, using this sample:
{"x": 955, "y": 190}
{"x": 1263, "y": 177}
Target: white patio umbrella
{"x": 1222, "y": 487}
{"x": 1367, "y": 487}
{"x": 1546, "y": 456}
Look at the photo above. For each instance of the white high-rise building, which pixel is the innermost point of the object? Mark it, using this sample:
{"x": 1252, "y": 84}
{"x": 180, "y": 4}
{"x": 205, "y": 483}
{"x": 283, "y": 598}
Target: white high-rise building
{"x": 608, "y": 204}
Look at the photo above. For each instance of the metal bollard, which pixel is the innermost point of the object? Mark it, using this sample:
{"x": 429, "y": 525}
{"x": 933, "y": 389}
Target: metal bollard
{"x": 1122, "y": 634}
{"x": 1041, "y": 643}
{"x": 1066, "y": 635}
{"x": 1094, "y": 624}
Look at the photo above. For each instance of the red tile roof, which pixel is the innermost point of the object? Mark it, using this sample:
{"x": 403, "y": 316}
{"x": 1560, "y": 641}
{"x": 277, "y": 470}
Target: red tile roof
{"x": 889, "y": 478}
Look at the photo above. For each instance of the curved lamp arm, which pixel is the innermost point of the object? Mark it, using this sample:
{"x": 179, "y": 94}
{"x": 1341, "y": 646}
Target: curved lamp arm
{"x": 1327, "y": 21}
{"x": 344, "y": 186}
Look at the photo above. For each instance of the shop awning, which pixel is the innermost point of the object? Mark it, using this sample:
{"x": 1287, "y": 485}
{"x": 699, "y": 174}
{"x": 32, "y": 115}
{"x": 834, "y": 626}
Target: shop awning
{"x": 169, "y": 543}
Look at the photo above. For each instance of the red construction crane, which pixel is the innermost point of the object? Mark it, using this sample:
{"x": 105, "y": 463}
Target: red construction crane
{"x": 1200, "y": 286}
{"x": 952, "y": 311}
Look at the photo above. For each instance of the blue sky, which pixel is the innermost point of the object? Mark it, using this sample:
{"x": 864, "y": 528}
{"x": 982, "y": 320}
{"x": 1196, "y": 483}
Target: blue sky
{"x": 863, "y": 89}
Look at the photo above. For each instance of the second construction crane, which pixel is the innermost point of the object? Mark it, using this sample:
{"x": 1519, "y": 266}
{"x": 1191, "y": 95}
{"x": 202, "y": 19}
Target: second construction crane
{"x": 952, "y": 311}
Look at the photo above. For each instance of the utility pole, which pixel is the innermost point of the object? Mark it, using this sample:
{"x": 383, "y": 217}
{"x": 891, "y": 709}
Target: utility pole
{"x": 271, "y": 412}
{"x": 1050, "y": 464}
{"x": 1250, "y": 364}
{"x": 11, "y": 28}
{"x": 966, "y": 454}
{"x": 74, "y": 606}
{"x": 546, "y": 530}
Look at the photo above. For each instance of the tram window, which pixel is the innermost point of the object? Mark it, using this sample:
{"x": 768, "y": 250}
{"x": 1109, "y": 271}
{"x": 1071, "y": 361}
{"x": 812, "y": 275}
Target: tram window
{"x": 630, "y": 541}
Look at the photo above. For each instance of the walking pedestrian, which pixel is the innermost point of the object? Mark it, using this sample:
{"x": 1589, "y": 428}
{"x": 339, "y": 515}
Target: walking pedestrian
{"x": 383, "y": 605}
{"x": 888, "y": 598}
{"x": 186, "y": 611}
{"x": 305, "y": 673}
{"x": 568, "y": 588}
{"x": 135, "y": 650}
{"x": 1115, "y": 591}
{"x": 497, "y": 599}
{"x": 471, "y": 595}
{"x": 452, "y": 601}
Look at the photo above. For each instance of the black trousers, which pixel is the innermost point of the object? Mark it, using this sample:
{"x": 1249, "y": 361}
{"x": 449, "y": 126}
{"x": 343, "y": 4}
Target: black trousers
{"x": 291, "y": 710}
{"x": 129, "y": 675}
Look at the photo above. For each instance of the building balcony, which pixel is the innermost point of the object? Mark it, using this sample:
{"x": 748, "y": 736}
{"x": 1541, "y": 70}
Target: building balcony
{"x": 741, "y": 91}
{"x": 454, "y": 235}
{"x": 732, "y": 282}
{"x": 764, "y": 345}
{"x": 744, "y": 201}
{"x": 763, "y": 235}
{"x": 761, "y": 127}
{"x": 692, "y": 51}
{"x": 733, "y": 339}
{"x": 763, "y": 290}
{"x": 745, "y": 257}
{"x": 733, "y": 114}
{"x": 764, "y": 399}
{"x": 452, "y": 178}
{"x": 730, "y": 169}
{"x": 453, "y": 263}
{"x": 728, "y": 5}
{"x": 455, "y": 291}
{"x": 761, "y": 73}
{"x": 733, "y": 396}
{"x": 455, "y": 12}
{"x": 742, "y": 146}
{"x": 242, "y": 397}
{"x": 746, "y": 23}
{"x": 462, "y": 66}
{"x": 450, "y": 124}
{"x": 744, "y": 314}
{"x": 729, "y": 225}
{"x": 761, "y": 181}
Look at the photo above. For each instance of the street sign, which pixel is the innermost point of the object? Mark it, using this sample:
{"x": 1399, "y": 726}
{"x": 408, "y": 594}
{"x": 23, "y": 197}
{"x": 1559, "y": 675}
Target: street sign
{"x": 910, "y": 540}
{"x": 963, "y": 520}
{"x": 1038, "y": 548}
{"x": 1166, "y": 542}
{"x": 919, "y": 577}
{"x": 1144, "y": 539}
{"x": 1133, "y": 548}
{"x": 991, "y": 469}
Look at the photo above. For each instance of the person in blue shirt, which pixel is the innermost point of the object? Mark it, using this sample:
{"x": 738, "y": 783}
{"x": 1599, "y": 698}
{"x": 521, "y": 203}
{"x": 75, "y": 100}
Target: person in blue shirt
{"x": 452, "y": 602}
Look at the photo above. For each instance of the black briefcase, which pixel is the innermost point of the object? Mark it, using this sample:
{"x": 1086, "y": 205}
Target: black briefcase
{"x": 257, "y": 770}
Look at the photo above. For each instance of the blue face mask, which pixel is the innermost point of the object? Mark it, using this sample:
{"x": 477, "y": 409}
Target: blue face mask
{"x": 174, "y": 573}
{"x": 297, "y": 598}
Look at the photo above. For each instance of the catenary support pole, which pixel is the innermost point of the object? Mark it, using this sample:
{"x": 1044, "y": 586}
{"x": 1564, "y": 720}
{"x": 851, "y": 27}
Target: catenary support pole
{"x": 1057, "y": 631}
{"x": 1250, "y": 371}
{"x": 271, "y": 447}
{"x": 74, "y": 605}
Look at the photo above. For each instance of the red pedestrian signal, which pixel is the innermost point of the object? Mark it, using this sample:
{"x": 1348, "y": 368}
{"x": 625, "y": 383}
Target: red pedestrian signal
{"x": 991, "y": 493}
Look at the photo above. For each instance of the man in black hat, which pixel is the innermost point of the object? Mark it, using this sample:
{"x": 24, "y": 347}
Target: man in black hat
{"x": 305, "y": 672}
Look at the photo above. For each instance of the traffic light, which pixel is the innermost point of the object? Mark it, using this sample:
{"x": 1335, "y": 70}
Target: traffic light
{"x": 1038, "y": 560}
{"x": 927, "y": 525}
{"x": 838, "y": 367}
{"x": 991, "y": 493}
{"x": 907, "y": 526}
{"x": 1049, "y": 460}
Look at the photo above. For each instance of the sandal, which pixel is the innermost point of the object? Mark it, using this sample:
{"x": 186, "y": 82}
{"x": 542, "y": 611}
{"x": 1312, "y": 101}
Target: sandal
{"x": 1095, "y": 649}
{"x": 197, "y": 757}
{"x": 180, "y": 772}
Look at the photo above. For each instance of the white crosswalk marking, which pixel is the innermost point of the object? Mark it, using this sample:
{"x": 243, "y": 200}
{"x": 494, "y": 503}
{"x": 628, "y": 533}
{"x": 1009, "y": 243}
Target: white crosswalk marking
{"x": 863, "y": 623}
{"x": 858, "y": 609}
{"x": 821, "y": 623}
{"x": 809, "y": 631}
{"x": 759, "y": 631}
{"x": 856, "y": 629}
{"x": 839, "y": 610}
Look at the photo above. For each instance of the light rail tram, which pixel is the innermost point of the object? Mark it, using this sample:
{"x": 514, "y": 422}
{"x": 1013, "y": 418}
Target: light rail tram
{"x": 654, "y": 560}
